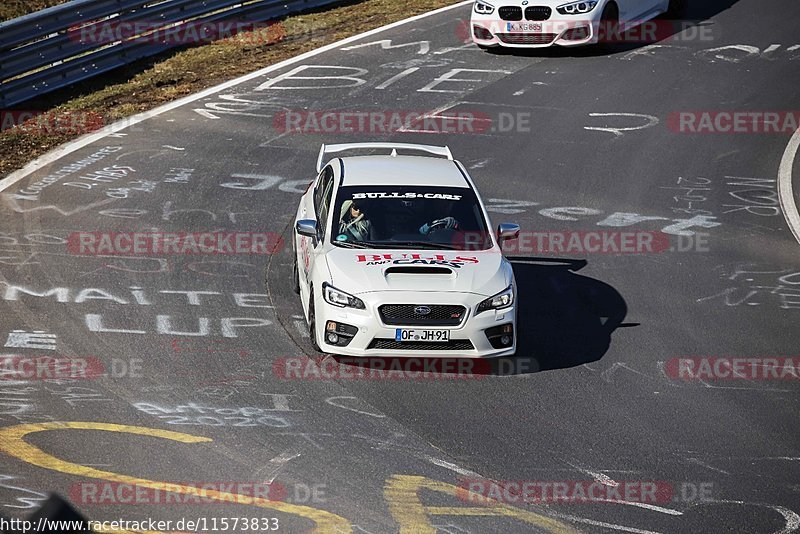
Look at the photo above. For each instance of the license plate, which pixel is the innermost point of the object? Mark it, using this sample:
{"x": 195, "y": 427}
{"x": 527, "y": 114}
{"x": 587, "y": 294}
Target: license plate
{"x": 405, "y": 334}
{"x": 523, "y": 27}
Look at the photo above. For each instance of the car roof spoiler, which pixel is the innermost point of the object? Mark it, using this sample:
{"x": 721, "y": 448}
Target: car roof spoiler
{"x": 431, "y": 149}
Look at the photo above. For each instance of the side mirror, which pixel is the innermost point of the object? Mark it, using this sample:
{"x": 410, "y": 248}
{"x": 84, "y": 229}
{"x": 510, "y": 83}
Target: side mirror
{"x": 307, "y": 228}
{"x": 507, "y": 231}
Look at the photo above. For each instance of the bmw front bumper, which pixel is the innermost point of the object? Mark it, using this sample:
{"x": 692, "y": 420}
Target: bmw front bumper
{"x": 490, "y": 30}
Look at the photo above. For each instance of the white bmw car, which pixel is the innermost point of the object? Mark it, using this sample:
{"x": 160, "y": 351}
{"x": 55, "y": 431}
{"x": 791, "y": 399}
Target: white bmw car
{"x": 543, "y": 23}
{"x": 395, "y": 256}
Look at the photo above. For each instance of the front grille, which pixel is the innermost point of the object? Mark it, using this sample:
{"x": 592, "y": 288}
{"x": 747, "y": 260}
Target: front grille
{"x": 527, "y": 38}
{"x": 391, "y": 344}
{"x": 404, "y": 315}
{"x": 537, "y": 13}
{"x": 510, "y": 13}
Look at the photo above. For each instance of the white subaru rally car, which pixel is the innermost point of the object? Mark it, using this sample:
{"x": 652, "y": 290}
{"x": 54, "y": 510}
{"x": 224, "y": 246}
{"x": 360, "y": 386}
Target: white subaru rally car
{"x": 394, "y": 256}
{"x": 543, "y": 23}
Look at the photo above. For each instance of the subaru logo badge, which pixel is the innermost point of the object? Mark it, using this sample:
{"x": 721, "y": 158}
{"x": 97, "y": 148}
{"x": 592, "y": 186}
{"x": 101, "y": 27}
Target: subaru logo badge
{"x": 422, "y": 310}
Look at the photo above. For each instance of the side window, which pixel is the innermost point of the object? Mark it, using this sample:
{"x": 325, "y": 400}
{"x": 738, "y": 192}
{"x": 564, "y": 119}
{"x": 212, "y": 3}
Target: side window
{"x": 325, "y": 195}
{"x": 320, "y": 188}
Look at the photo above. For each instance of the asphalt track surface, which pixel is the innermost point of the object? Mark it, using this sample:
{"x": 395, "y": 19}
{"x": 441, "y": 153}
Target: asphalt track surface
{"x": 593, "y": 398}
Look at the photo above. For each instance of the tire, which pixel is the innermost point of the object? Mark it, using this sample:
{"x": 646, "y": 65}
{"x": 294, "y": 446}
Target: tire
{"x": 312, "y": 329}
{"x": 296, "y": 277}
{"x": 609, "y": 26}
{"x": 677, "y": 8}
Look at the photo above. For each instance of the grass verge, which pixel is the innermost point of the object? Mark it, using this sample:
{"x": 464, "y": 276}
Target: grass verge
{"x": 194, "y": 69}
{"x": 11, "y": 9}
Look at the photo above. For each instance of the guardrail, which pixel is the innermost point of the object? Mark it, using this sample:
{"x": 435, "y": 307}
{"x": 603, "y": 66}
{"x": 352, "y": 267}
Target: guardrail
{"x": 45, "y": 50}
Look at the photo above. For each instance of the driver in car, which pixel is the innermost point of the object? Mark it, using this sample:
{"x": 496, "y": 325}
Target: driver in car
{"x": 354, "y": 224}
{"x": 447, "y": 223}
{"x": 444, "y": 223}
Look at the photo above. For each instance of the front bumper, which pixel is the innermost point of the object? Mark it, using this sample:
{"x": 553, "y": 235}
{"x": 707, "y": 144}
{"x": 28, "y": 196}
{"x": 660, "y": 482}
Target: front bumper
{"x": 490, "y": 30}
{"x": 375, "y": 338}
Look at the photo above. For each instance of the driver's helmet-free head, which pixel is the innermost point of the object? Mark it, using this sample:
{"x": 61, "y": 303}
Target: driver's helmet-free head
{"x": 344, "y": 213}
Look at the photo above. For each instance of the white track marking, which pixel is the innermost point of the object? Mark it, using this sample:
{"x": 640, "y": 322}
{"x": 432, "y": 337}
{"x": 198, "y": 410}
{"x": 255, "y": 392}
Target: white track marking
{"x": 668, "y": 511}
{"x": 785, "y": 192}
{"x": 597, "y": 476}
{"x": 711, "y": 467}
{"x": 301, "y": 328}
{"x": 330, "y": 400}
{"x": 386, "y": 44}
{"x": 601, "y": 524}
{"x": 396, "y": 77}
{"x": 780, "y": 458}
{"x": 619, "y": 132}
{"x": 451, "y": 466}
{"x": 77, "y": 144}
{"x": 608, "y": 481}
{"x": 792, "y": 519}
{"x": 278, "y": 463}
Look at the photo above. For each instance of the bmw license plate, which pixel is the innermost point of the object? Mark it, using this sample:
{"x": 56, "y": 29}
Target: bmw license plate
{"x": 405, "y": 334}
{"x": 524, "y": 27}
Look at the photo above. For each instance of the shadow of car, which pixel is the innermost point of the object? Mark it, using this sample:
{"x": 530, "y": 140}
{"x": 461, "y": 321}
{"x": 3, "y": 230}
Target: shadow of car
{"x": 563, "y": 320}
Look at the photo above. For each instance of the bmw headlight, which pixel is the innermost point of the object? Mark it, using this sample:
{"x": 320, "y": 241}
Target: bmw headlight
{"x": 340, "y": 298}
{"x": 504, "y": 299}
{"x": 577, "y": 8}
{"x": 482, "y": 8}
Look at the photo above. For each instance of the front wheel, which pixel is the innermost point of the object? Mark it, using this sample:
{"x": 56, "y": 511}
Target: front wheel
{"x": 296, "y": 277}
{"x": 677, "y": 7}
{"x": 608, "y": 32}
{"x": 312, "y": 328}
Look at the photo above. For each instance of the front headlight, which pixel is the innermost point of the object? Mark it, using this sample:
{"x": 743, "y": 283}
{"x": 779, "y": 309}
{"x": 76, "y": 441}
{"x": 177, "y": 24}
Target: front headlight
{"x": 482, "y": 8}
{"x": 577, "y": 8}
{"x": 340, "y": 298}
{"x": 504, "y": 299}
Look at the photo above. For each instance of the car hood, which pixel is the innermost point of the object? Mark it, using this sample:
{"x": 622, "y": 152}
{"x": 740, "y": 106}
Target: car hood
{"x": 363, "y": 271}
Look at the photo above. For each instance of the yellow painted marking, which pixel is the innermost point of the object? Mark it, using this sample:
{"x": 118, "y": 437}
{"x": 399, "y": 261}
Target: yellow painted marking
{"x": 402, "y": 494}
{"x": 12, "y": 442}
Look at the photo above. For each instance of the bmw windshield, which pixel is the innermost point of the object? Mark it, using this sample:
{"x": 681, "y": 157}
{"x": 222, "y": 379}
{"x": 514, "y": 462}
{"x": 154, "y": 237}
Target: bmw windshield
{"x": 409, "y": 217}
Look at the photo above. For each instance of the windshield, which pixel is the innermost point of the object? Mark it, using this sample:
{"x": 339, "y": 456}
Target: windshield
{"x": 409, "y": 217}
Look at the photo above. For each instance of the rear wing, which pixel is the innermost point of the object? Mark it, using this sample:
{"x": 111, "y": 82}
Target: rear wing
{"x": 331, "y": 149}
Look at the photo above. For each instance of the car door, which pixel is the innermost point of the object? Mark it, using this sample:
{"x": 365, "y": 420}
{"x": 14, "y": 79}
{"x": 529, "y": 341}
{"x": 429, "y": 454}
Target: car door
{"x": 311, "y": 249}
{"x": 636, "y": 10}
